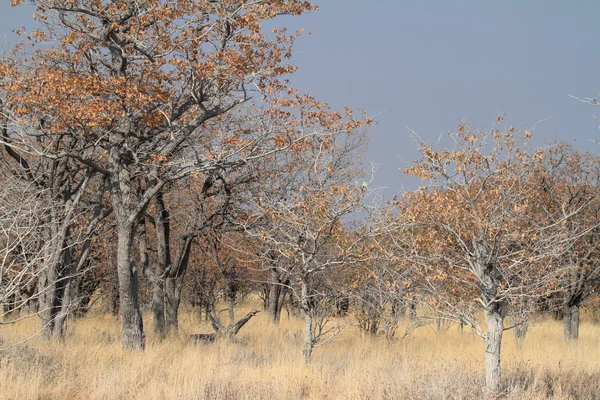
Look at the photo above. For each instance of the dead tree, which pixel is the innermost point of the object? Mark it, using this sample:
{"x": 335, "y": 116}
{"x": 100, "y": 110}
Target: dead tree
{"x": 222, "y": 331}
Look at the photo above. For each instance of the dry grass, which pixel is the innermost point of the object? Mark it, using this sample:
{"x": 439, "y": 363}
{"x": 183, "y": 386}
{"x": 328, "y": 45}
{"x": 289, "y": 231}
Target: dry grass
{"x": 265, "y": 363}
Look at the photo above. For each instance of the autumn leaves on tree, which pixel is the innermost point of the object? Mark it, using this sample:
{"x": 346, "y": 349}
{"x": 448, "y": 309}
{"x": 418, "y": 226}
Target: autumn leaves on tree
{"x": 171, "y": 128}
{"x": 146, "y": 93}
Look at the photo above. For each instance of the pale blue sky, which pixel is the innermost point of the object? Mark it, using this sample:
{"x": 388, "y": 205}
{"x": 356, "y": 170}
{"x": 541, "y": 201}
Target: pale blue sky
{"x": 430, "y": 64}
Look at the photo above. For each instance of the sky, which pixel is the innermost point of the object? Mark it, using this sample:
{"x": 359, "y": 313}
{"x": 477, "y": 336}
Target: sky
{"x": 426, "y": 66}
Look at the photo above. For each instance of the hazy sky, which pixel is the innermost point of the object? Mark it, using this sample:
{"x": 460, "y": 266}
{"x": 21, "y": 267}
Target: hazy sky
{"x": 427, "y": 65}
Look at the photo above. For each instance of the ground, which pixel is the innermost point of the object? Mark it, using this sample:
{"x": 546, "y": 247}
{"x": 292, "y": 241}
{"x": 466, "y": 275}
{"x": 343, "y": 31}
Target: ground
{"x": 264, "y": 362}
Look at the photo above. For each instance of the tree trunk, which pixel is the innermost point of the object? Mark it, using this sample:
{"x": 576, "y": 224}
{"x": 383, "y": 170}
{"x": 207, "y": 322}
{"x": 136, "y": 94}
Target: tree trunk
{"x": 412, "y": 309}
{"x": 308, "y": 320}
{"x": 274, "y": 290}
{"x": 174, "y": 282}
{"x": 494, "y": 316}
{"x": 280, "y": 301}
{"x": 113, "y": 295}
{"x": 308, "y": 339}
{"x": 163, "y": 252}
{"x": 266, "y": 290}
{"x": 571, "y": 321}
{"x": 231, "y": 306}
{"x": 277, "y": 293}
{"x": 173, "y": 296}
{"x": 48, "y": 287}
{"x": 158, "y": 306}
{"x": 131, "y": 317}
{"x": 67, "y": 295}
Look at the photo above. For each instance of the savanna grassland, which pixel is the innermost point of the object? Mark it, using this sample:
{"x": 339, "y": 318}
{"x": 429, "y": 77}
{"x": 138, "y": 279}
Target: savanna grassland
{"x": 264, "y": 362}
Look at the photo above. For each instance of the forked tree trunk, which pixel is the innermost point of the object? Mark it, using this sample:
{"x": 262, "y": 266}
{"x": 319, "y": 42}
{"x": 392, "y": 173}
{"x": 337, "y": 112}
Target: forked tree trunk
{"x": 571, "y": 321}
{"x": 174, "y": 282}
{"x": 277, "y": 293}
{"x": 494, "y": 316}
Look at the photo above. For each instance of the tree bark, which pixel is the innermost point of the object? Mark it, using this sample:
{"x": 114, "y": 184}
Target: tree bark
{"x": 173, "y": 288}
{"x": 158, "y": 305}
{"x": 494, "y": 316}
{"x": 412, "y": 308}
{"x": 174, "y": 282}
{"x": 277, "y": 293}
{"x": 113, "y": 294}
{"x": 231, "y": 306}
{"x": 571, "y": 321}
{"x": 67, "y": 296}
{"x": 49, "y": 302}
{"x": 131, "y": 316}
{"x": 307, "y": 348}
{"x": 163, "y": 233}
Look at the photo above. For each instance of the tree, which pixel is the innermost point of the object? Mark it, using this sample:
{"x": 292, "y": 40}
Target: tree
{"x": 488, "y": 246}
{"x": 569, "y": 185}
{"x": 70, "y": 220}
{"x": 22, "y": 243}
{"x": 157, "y": 90}
{"x": 306, "y": 226}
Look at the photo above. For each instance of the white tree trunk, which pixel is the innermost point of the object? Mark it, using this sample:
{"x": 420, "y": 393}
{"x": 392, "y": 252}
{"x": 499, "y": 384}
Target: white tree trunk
{"x": 493, "y": 345}
{"x": 308, "y": 332}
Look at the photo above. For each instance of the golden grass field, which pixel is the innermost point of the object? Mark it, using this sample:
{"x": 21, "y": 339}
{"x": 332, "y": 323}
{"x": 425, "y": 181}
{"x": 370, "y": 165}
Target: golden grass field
{"x": 264, "y": 362}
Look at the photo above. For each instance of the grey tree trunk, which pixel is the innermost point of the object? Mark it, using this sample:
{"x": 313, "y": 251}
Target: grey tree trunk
{"x": 280, "y": 301}
{"x": 306, "y": 302}
{"x": 231, "y": 306}
{"x": 48, "y": 284}
{"x": 494, "y": 316}
{"x": 412, "y": 308}
{"x": 67, "y": 296}
{"x": 173, "y": 296}
{"x": 571, "y": 321}
{"x": 174, "y": 282}
{"x": 113, "y": 295}
{"x": 277, "y": 293}
{"x": 158, "y": 306}
{"x": 163, "y": 233}
{"x": 131, "y": 317}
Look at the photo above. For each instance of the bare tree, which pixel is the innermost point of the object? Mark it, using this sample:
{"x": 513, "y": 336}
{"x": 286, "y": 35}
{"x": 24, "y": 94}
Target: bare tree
{"x": 306, "y": 228}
